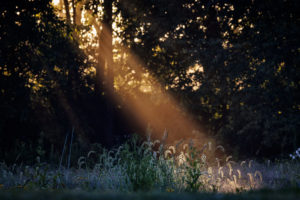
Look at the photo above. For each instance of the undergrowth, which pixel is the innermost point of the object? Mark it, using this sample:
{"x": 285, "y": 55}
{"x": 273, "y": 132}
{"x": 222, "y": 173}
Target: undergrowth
{"x": 154, "y": 166}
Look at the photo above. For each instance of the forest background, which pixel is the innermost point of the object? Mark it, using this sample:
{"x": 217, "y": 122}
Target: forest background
{"x": 107, "y": 69}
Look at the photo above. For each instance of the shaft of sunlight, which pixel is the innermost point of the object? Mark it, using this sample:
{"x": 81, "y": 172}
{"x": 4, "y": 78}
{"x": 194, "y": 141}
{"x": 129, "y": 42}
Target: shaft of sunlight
{"x": 144, "y": 110}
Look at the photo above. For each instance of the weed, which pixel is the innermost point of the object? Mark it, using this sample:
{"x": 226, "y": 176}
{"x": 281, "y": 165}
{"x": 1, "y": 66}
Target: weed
{"x": 152, "y": 166}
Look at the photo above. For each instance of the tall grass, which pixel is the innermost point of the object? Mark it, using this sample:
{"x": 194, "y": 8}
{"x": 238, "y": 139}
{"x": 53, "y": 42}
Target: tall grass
{"x": 154, "y": 166}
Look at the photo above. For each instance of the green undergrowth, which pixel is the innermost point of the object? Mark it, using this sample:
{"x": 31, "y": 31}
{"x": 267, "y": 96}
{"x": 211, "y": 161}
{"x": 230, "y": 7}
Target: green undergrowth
{"x": 152, "y": 166}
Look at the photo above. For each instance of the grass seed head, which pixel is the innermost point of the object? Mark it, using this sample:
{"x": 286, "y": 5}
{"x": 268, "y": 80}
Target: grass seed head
{"x": 243, "y": 163}
{"x": 228, "y": 158}
{"x": 250, "y": 163}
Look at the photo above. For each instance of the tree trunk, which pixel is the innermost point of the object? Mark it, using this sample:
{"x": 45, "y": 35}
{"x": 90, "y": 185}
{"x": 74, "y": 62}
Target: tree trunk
{"x": 74, "y": 11}
{"x": 68, "y": 18}
{"x": 105, "y": 81}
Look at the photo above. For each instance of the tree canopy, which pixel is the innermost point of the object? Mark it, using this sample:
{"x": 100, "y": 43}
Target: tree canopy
{"x": 232, "y": 65}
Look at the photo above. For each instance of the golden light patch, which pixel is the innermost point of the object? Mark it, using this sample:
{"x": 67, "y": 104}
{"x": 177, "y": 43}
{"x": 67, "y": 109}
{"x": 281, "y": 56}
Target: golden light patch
{"x": 141, "y": 104}
{"x": 55, "y": 2}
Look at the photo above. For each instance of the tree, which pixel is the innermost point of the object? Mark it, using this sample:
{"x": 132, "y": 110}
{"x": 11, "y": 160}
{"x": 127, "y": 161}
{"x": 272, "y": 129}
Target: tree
{"x": 247, "y": 53}
{"x": 98, "y": 16}
{"x": 41, "y": 77}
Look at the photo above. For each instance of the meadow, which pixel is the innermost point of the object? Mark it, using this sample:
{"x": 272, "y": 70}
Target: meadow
{"x": 151, "y": 169}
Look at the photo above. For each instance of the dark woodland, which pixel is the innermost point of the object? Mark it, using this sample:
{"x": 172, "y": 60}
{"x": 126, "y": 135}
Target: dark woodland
{"x": 244, "y": 93}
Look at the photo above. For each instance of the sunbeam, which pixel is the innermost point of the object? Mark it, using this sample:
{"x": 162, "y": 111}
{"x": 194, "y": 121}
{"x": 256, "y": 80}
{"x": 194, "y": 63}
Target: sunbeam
{"x": 139, "y": 106}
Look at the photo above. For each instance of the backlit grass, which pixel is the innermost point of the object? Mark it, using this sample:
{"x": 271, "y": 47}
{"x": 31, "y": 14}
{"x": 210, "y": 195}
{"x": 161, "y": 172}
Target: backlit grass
{"x": 152, "y": 166}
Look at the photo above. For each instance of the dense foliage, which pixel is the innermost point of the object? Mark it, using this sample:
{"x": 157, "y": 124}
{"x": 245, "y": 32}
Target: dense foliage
{"x": 40, "y": 75}
{"x": 248, "y": 91}
{"x": 233, "y": 64}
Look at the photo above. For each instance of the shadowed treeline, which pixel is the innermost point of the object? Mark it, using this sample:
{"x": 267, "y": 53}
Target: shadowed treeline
{"x": 225, "y": 70}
